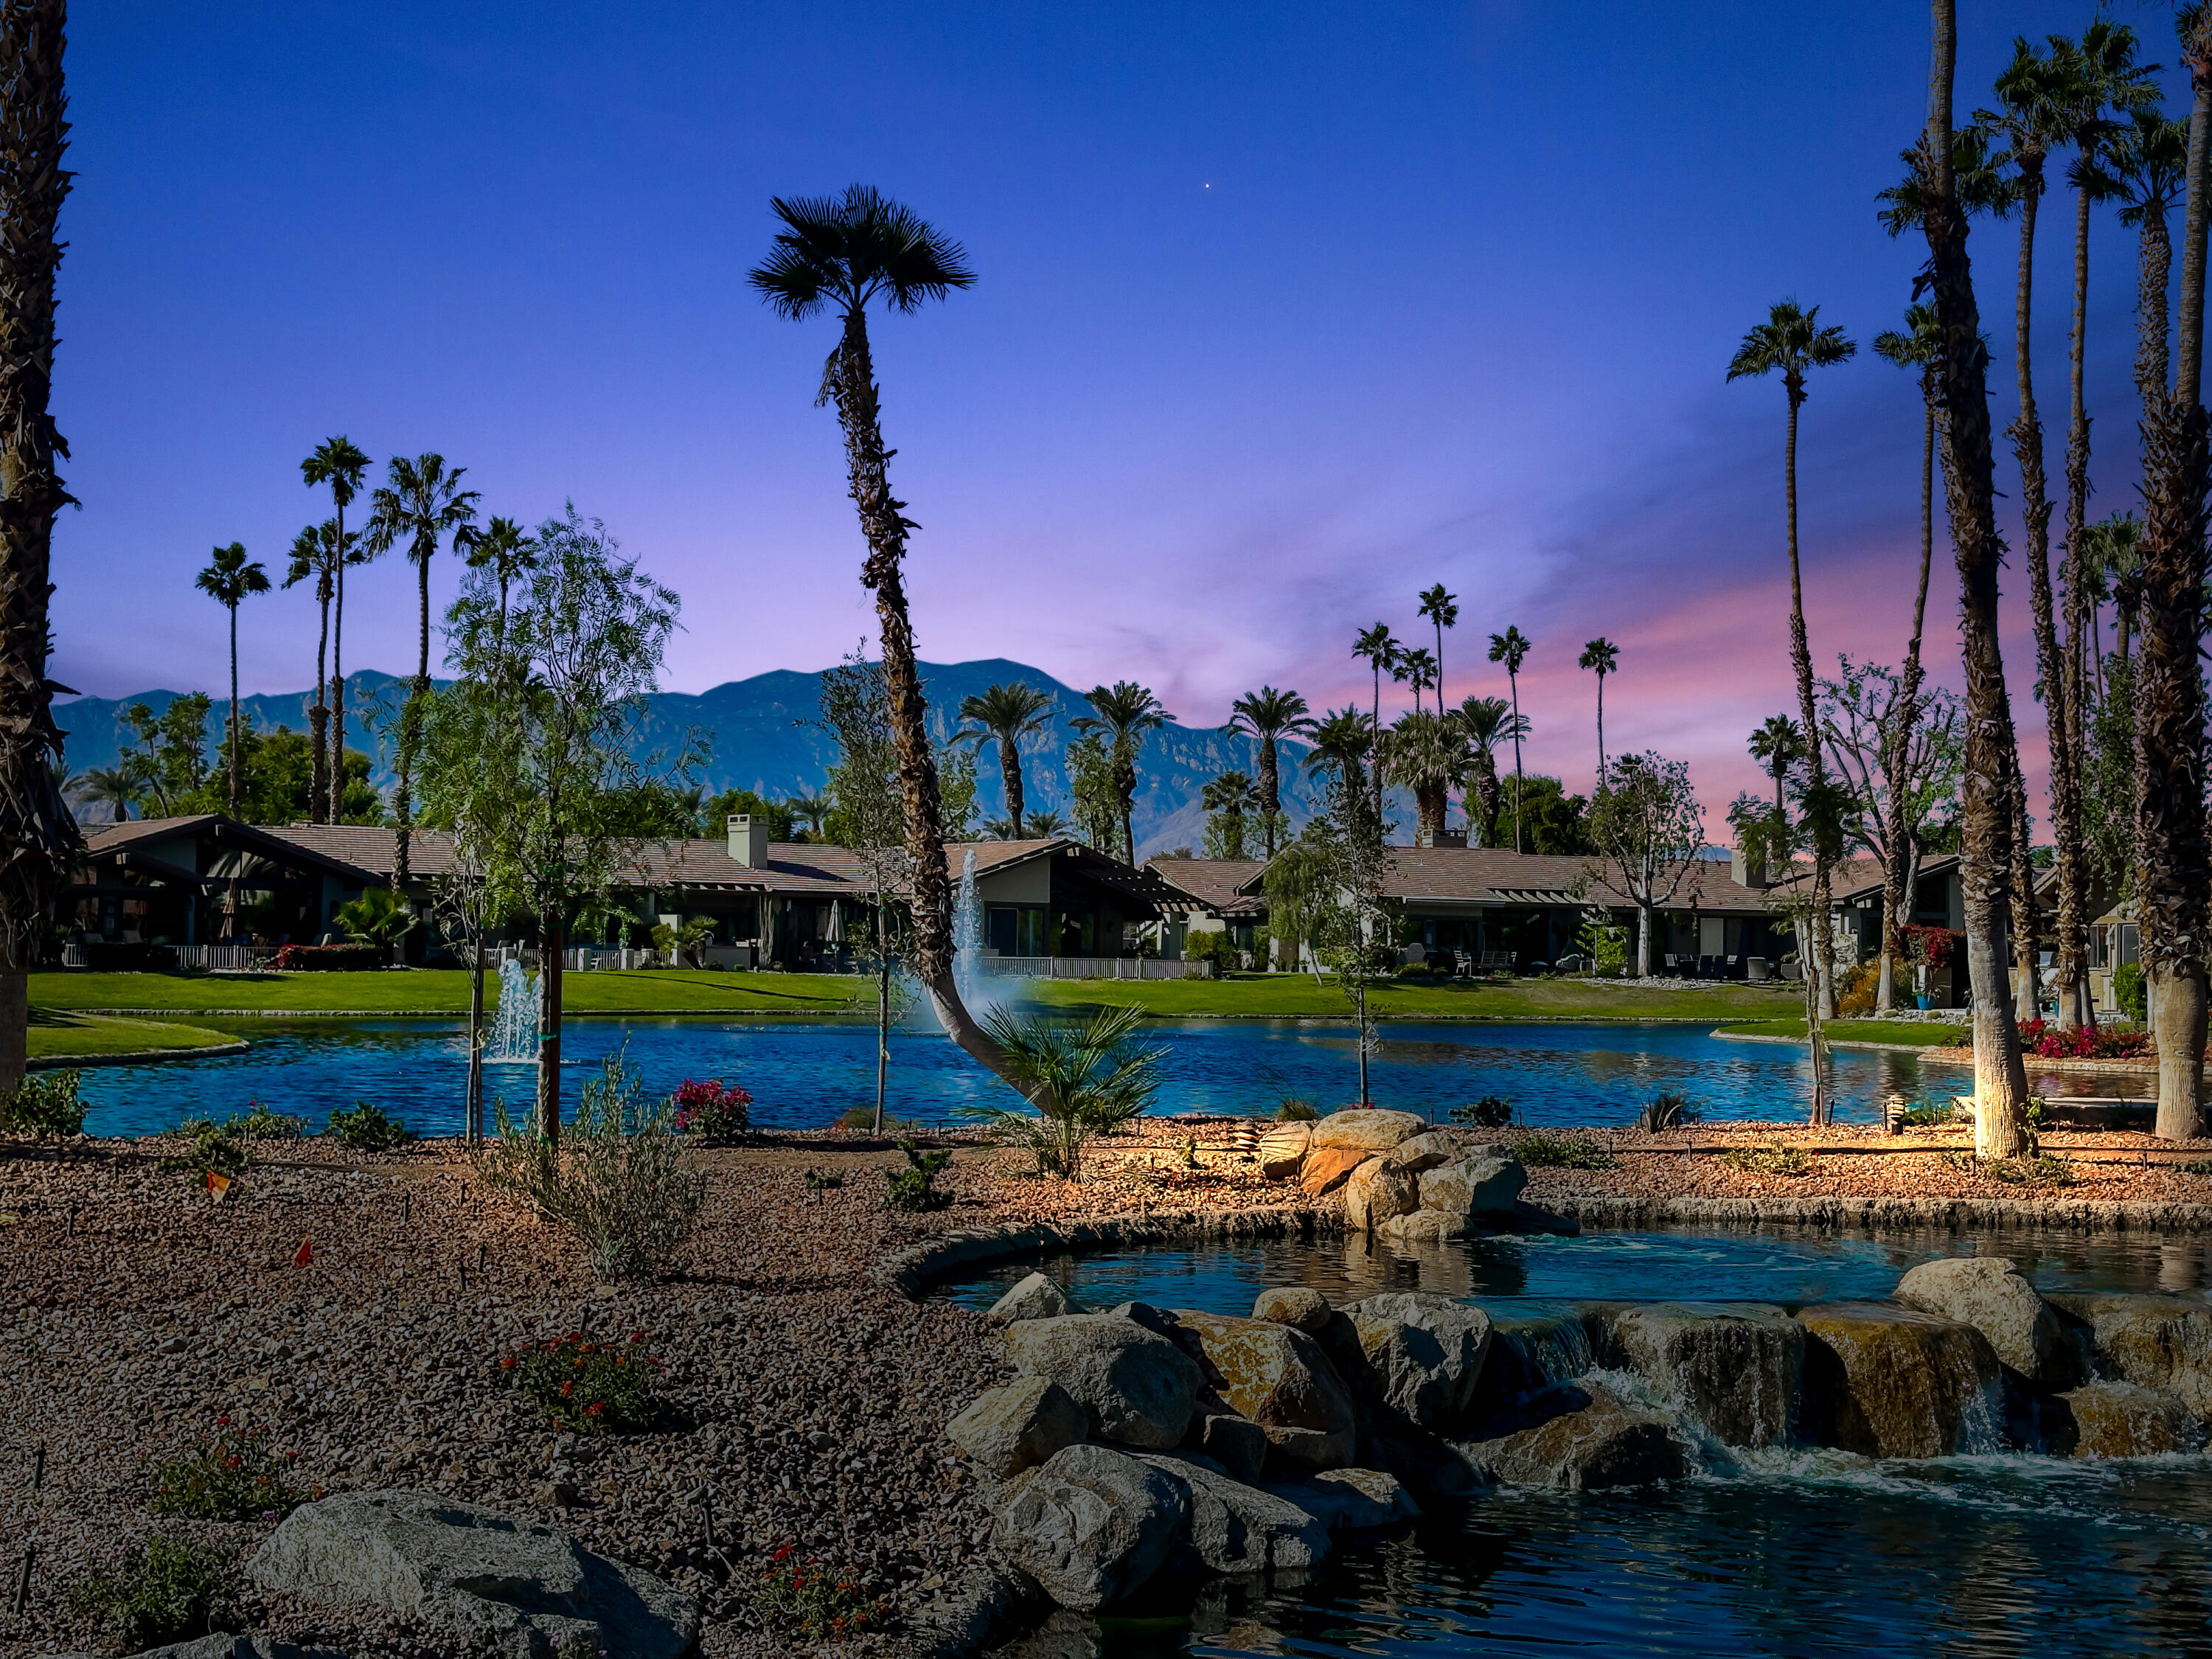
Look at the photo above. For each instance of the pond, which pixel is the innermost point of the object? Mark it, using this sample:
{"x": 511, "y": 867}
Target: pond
{"x": 805, "y": 1073}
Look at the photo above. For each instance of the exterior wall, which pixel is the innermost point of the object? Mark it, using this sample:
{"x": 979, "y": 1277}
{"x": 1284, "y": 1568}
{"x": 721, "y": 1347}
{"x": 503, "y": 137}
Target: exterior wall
{"x": 1029, "y": 883}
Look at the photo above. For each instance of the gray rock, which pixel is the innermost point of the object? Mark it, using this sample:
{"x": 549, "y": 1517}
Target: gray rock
{"x": 2124, "y": 1419}
{"x": 1424, "y": 1353}
{"x": 1363, "y": 1129}
{"x": 1236, "y": 1527}
{"x": 527, "y": 1589}
{"x": 1734, "y": 1368}
{"x": 1474, "y": 1187}
{"x": 223, "y": 1645}
{"x": 1296, "y": 1305}
{"x": 1237, "y": 1443}
{"x": 1090, "y": 1524}
{"x": 1604, "y": 1444}
{"x": 1137, "y": 1387}
{"x": 1377, "y": 1192}
{"x": 2161, "y": 1342}
{"x": 1011, "y": 1429}
{"x": 1038, "y": 1297}
{"x": 1281, "y": 1379}
{"x": 1989, "y": 1293}
{"x": 1350, "y": 1500}
{"x": 1428, "y": 1150}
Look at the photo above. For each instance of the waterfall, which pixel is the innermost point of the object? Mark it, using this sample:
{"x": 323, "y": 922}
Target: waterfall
{"x": 512, "y": 1038}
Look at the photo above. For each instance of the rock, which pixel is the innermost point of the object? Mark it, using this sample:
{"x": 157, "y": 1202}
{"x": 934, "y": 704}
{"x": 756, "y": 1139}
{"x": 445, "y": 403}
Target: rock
{"x": 1377, "y": 1192}
{"x": 1237, "y": 1443}
{"x": 1350, "y": 1500}
{"x": 1530, "y": 1356}
{"x": 1434, "y": 1147}
{"x": 1422, "y": 1227}
{"x": 1283, "y": 1148}
{"x": 1424, "y": 1353}
{"x": 1363, "y": 1129}
{"x": 2162, "y": 1342}
{"x": 1295, "y": 1305}
{"x": 223, "y": 1645}
{"x": 1601, "y": 1445}
{"x": 1136, "y": 1386}
{"x": 1734, "y": 1368}
{"x": 1325, "y": 1170}
{"x": 1891, "y": 1382}
{"x": 1473, "y": 1186}
{"x": 518, "y": 1583}
{"x": 1008, "y": 1430}
{"x": 1090, "y": 1524}
{"x": 1235, "y": 1527}
{"x": 1038, "y": 1297}
{"x": 1281, "y": 1379}
{"x": 2124, "y": 1419}
{"x": 1988, "y": 1293}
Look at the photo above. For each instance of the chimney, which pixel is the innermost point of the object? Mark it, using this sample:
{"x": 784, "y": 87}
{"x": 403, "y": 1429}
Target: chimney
{"x": 1746, "y": 870}
{"x": 748, "y": 842}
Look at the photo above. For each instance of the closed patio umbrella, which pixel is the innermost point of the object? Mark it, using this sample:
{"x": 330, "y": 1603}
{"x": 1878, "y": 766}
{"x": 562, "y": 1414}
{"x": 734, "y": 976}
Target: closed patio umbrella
{"x": 834, "y": 933}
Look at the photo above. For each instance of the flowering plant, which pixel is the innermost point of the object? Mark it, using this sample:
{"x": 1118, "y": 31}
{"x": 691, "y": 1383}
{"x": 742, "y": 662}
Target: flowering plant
{"x": 807, "y": 1599}
{"x": 230, "y": 1475}
{"x": 711, "y": 1109}
{"x": 586, "y": 1385}
{"x": 1930, "y": 945}
{"x": 2048, "y": 1042}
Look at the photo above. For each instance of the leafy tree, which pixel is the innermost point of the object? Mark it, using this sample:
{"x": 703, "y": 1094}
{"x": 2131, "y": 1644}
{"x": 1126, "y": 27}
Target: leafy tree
{"x": 1601, "y": 656}
{"x": 1097, "y": 803}
{"x": 340, "y": 463}
{"x": 229, "y": 578}
{"x": 1347, "y": 921}
{"x": 778, "y": 817}
{"x": 168, "y": 751}
{"x": 1648, "y": 830}
{"x": 1006, "y": 715}
{"x": 1124, "y": 711}
{"x": 1443, "y": 610}
{"x": 1269, "y": 716}
{"x": 955, "y": 790}
{"x": 1511, "y": 648}
{"x": 1297, "y": 888}
{"x": 1557, "y": 821}
{"x": 1426, "y": 754}
{"x": 1488, "y": 723}
{"x": 1226, "y": 799}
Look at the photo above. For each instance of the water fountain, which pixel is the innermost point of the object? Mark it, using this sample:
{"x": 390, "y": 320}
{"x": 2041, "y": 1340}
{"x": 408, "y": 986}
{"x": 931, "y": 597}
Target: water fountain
{"x": 512, "y": 1038}
{"x": 968, "y": 935}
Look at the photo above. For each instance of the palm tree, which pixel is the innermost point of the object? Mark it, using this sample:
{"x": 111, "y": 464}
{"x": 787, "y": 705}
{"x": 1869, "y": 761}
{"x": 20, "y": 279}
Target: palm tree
{"x": 501, "y": 548}
{"x": 1341, "y": 740}
{"x": 2148, "y": 163}
{"x": 115, "y": 788}
{"x": 229, "y": 578}
{"x": 421, "y": 504}
{"x": 1381, "y": 651}
{"x": 2001, "y": 1083}
{"x": 1418, "y": 668}
{"x": 811, "y": 810}
{"x": 1008, "y": 714}
{"x": 1601, "y": 656}
{"x": 1043, "y": 826}
{"x": 842, "y": 254}
{"x": 1488, "y": 722}
{"x": 1777, "y": 742}
{"x": 1125, "y": 711}
{"x": 339, "y": 463}
{"x": 1427, "y": 754}
{"x": 1511, "y": 648}
{"x": 1230, "y": 794}
{"x": 1792, "y": 340}
{"x": 1269, "y": 716}
{"x": 316, "y": 551}
{"x": 1441, "y": 609}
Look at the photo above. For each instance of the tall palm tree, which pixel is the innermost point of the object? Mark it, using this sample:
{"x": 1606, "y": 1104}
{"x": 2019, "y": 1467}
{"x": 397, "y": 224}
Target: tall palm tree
{"x": 1419, "y": 669}
{"x": 1511, "y": 648}
{"x": 1125, "y": 711}
{"x": 420, "y": 505}
{"x": 1427, "y": 754}
{"x": 502, "y": 548}
{"x": 842, "y": 254}
{"x": 1792, "y": 341}
{"x": 1382, "y": 650}
{"x": 1230, "y": 794}
{"x": 317, "y": 552}
{"x": 1777, "y": 742}
{"x": 2173, "y": 871}
{"x": 1441, "y": 609}
{"x": 1269, "y": 716}
{"x": 1341, "y": 741}
{"x": 229, "y": 578}
{"x": 1985, "y": 833}
{"x": 1008, "y": 714}
{"x": 115, "y": 788}
{"x": 1489, "y": 723}
{"x": 39, "y": 844}
{"x": 340, "y": 463}
{"x": 1601, "y": 656}
{"x": 2149, "y": 163}
{"x": 813, "y": 811}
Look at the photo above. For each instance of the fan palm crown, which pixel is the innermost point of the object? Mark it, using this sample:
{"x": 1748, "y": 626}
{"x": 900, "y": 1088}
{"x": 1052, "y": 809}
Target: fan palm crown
{"x": 1441, "y": 609}
{"x": 1601, "y": 656}
{"x": 1512, "y": 647}
{"x": 1124, "y": 711}
{"x": 1269, "y": 716}
{"x": 338, "y": 464}
{"x": 1341, "y": 740}
{"x": 229, "y": 578}
{"x": 1008, "y": 714}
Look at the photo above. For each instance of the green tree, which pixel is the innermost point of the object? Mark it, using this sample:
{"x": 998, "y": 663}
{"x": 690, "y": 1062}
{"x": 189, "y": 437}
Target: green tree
{"x": 1226, "y": 798}
{"x": 1006, "y": 715}
{"x": 1443, "y": 610}
{"x": 1295, "y": 884}
{"x": 1097, "y": 803}
{"x": 501, "y": 548}
{"x": 1268, "y": 716}
{"x": 1123, "y": 713}
{"x": 229, "y": 578}
{"x": 779, "y": 817}
{"x": 1601, "y": 656}
{"x": 338, "y": 462}
{"x": 168, "y": 751}
{"x": 1779, "y": 744}
{"x": 1342, "y": 741}
{"x": 317, "y": 552}
{"x": 1557, "y": 821}
{"x": 115, "y": 788}
{"x": 1648, "y": 830}
{"x": 1381, "y": 651}
{"x": 1426, "y": 754}
{"x": 812, "y": 811}
{"x": 1511, "y": 648}
{"x": 1489, "y": 723}
{"x": 1347, "y": 917}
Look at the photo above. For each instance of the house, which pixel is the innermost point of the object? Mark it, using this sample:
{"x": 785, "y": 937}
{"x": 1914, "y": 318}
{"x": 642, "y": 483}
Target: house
{"x": 1213, "y": 900}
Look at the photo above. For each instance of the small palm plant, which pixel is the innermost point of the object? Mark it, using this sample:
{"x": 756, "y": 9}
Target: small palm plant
{"x": 1083, "y": 1080}
{"x": 375, "y": 918}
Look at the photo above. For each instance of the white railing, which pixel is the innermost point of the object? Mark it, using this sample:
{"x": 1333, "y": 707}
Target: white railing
{"x": 233, "y": 959}
{"x": 1093, "y": 967}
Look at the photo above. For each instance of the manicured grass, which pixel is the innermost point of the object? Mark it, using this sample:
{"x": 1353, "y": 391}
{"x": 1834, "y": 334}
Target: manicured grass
{"x": 436, "y": 991}
{"x": 1918, "y": 1033}
{"x": 88, "y": 1037}
{"x": 1290, "y": 996}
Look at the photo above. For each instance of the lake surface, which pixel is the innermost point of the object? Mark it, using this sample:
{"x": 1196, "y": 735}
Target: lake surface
{"x": 806, "y": 1074}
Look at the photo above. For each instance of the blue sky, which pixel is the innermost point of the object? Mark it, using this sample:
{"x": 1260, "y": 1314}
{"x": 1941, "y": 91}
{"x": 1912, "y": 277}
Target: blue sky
{"x": 1285, "y": 312}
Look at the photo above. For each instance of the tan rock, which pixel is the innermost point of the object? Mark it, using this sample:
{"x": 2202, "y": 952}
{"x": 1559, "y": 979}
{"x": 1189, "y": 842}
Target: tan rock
{"x": 2122, "y": 1420}
{"x": 1379, "y": 1191}
{"x": 1603, "y": 1444}
{"x": 1279, "y": 1378}
{"x": 1434, "y": 1147}
{"x": 1008, "y": 1430}
{"x": 1892, "y": 1382}
{"x": 1283, "y": 1148}
{"x": 2157, "y": 1342}
{"x": 1422, "y": 1227}
{"x": 1296, "y": 1305}
{"x": 1473, "y": 1186}
{"x": 1365, "y": 1129}
{"x": 1325, "y": 1170}
{"x": 1989, "y": 1293}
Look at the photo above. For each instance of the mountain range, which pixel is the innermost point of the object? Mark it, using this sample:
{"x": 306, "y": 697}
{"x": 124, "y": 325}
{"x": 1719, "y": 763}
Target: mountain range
{"x": 760, "y": 736}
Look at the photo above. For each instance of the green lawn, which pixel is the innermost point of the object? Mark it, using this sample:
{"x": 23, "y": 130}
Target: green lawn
{"x": 1917, "y": 1033}
{"x": 89, "y": 1036}
{"x": 1293, "y": 996}
{"x": 431, "y": 991}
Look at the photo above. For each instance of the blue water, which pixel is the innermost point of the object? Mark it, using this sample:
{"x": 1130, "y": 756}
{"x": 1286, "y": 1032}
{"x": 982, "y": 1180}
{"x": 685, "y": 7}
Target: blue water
{"x": 803, "y": 1075}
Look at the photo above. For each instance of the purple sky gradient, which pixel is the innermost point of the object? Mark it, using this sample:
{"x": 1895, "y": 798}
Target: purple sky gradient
{"x": 1285, "y": 313}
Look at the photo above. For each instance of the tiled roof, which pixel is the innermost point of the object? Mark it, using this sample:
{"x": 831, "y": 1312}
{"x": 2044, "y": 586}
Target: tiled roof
{"x": 1487, "y": 875}
{"x": 1214, "y": 882}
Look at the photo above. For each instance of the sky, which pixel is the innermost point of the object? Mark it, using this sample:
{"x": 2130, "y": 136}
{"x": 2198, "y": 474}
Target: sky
{"x": 1284, "y": 312}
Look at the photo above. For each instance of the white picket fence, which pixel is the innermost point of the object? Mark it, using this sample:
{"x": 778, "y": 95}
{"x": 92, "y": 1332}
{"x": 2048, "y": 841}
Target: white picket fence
{"x": 1093, "y": 967}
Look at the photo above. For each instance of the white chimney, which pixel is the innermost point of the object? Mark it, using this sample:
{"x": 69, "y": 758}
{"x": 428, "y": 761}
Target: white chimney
{"x": 1747, "y": 870}
{"x": 748, "y": 842}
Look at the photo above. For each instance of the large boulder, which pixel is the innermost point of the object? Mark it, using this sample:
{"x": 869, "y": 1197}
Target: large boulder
{"x": 1422, "y": 1228}
{"x": 1601, "y": 1444}
{"x": 1433, "y": 1147}
{"x": 1377, "y": 1192}
{"x": 1090, "y": 1524}
{"x": 1135, "y": 1386}
{"x": 516, "y": 1585}
{"x": 1279, "y": 1378}
{"x": 2161, "y": 1342}
{"x": 1423, "y": 1353}
{"x": 1473, "y": 1186}
{"x": 2124, "y": 1419}
{"x": 1326, "y": 1168}
{"x": 1734, "y": 1368}
{"x": 1236, "y": 1527}
{"x": 1237, "y": 1443}
{"x": 1892, "y": 1382}
{"x": 1038, "y": 1297}
{"x": 1363, "y": 1129}
{"x": 1989, "y": 1293}
{"x": 1351, "y": 1500}
{"x": 1008, "y": 1430}
{"x": 1283, "y": 1148}
{"x": 1296, "y": 1305}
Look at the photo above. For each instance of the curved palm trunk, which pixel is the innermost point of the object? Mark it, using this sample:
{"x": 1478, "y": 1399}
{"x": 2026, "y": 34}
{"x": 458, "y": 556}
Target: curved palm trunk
{"x": 1896, "y": 867}
{"x": 39, "y": 843}
{"x": 1822, "y": 967}
{"x": 2000, "y": 1081}
{"x": 1010, "y": 770}
{"x": 2072, "y": 957}
{"x": 319, "y": 716}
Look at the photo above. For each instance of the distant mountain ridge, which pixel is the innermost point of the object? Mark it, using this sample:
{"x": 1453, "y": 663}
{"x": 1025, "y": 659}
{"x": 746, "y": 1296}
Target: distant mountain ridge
{"x": 762, "y": 738}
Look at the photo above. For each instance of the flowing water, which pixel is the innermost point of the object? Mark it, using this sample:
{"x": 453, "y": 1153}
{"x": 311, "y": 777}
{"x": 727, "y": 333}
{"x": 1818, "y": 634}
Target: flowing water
{"x": 511, "y": 1036}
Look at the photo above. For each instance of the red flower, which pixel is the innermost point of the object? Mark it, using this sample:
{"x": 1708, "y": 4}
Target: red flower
{"x": 785, "y": 1552}
{"x": 507, "y": 1364}
{"x": 595, "y": 1409}
{"x": 224, "y": 1418}
{"x": 567, "y": 1389}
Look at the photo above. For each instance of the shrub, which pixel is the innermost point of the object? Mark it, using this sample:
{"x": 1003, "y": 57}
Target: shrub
{"x": 257, "y": 1122}
{"x": 1669, "y": 1110}
{"x": 1083, "y": 1080}
{"x": 109, "y": 957}
{"x": 230, "y": 1475}
{"x": 43, "y": 1104}
{"x": 1490, "y": 1112}
{"x": 1213, "y": 946}
{"x": 1540, "y": 1150}
{"x": 211, "y": 1151}
{"x": 807, "y": 1600}
{"x": 164, "y": 1590}
{"x": 2196, "y": 1166}
{"x": 911, "y": 1188}
{"x": 365, "y": 1128}
{"x": 712, "y": 1110}
{"x": 586, "y": 1386}
{"x": 2130, "y": 991}
{"x": 2037, "y": 1169}
{"x": 328, "y": 958}
{"x": 1769, "y": 1160}
{"x": 1859, "y": 989}
{"x": 2047, "y": 1042}
{"x": 822, "y": 1180}
{"x": 1294, "y": 1110}
{"x": 1927, "y": 1113}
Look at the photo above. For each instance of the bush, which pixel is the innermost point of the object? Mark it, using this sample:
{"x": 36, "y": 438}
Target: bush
{"x": 212, "y": 1152}
{"x": 1083, "y": 1081}
{"x": 1213, "y": 946}
{"x": 911, "y": 1188}
{"x": 712, "y": 1110}
{"x": 1860, "y": 987}
{"x": 43, "y": 1104}
{"x": 1490, "y": 1112}
{"x": 1671, "y": 1110}
{"x": 2130, "y": 992}
{"x": 822, "y": 1180}
{"x": 588, "y": 1387}
{"x": 230, "y": 1475}
{"x": 329, "y": 958}
{"x": 1769, "y": 1160}
{"x": 1540, "y": 1150}
{"x": 2047, "y": 1042}
{"x": 366, "y": 1129}
{"x": 2037, "y": 1169}
{"x": 1927, "y": 1113}
{"x": 257, "y": 1122}
{"x": 165, "y": 1590}
{"x": 1293, "y": 1110}
{"x": 805, "y": 1598}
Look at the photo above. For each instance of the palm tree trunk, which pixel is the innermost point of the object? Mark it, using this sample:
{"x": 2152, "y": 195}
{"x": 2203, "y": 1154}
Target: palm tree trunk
{"x": 1601, "y": 727}
{"x": 2068, "y": 743}
{"x": 2000, "y": 1082}
{"x": 472, "y": 1103}
{"x": 2027, "y": 993}
{"x": 39, "y": 843}
{"x": 1440, "y": 666}
{"x": 2170, "y": 850}
{"x": 552, "y": 941}
{"x": 1897, "y": 886}
{"x": 1513, "y": 681}
{"x": 338, "y": 685}
{"x": 319, "y": 716}
{"x": 1010, "y": 768}
{"x": 410, "y": 733}
{"x": 1375, "y": 732}
{"x": 1485, "y": 794}
{"x": 1822, "y": 967}
{"x": 1271, "y": 797}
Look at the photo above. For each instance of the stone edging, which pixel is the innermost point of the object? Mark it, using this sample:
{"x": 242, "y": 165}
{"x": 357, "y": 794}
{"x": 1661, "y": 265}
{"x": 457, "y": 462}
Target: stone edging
{"x": 132, "y": 1057}
{"x": 1956, "y": 1214}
